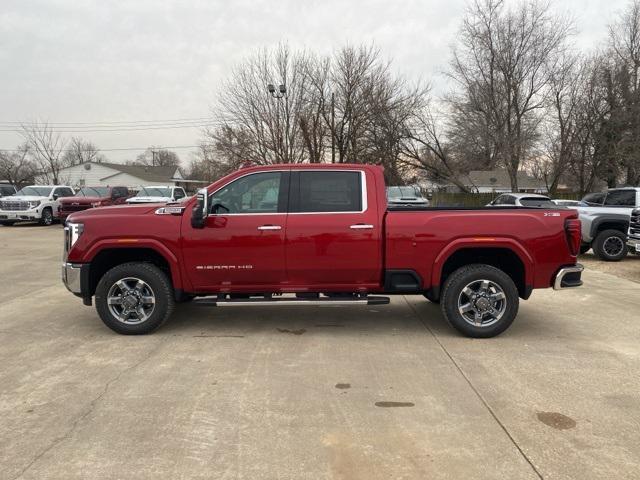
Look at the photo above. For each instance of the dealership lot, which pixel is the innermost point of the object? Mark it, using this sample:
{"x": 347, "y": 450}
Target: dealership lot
{"x": 298, "y": 392}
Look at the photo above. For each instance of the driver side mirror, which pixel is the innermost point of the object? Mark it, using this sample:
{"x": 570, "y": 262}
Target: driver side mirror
{"x": 56, "y": 196}
{"x": 200, "y": 209}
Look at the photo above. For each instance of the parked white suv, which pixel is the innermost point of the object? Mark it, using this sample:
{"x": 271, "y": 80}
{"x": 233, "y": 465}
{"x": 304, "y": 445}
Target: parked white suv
{"x": 33, "y": 203}
{"x": 158, "y": 194}
{"x": 522, "y": 200}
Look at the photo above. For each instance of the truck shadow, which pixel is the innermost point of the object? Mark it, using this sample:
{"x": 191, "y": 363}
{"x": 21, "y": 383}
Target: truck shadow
{"x": 190, "y": 319}
{"x": 398, "y": 318}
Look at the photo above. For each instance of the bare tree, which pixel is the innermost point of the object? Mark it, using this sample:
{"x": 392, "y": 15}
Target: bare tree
{"x": 424, "y": 147}
{"x": 562, "y": 127}
{"x": 79, "y": 151}
{"x": 501, "y": 69}
{"x": 270, "y": 127}
{"x": 16, "y": 167}
{"x": 46, "y": 147}
{"x": 158, "y": 157}
{"x": 623, "y": 142}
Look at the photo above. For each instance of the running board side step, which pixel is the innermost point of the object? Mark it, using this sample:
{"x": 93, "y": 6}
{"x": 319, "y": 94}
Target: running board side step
{"x": 261, "y": 301}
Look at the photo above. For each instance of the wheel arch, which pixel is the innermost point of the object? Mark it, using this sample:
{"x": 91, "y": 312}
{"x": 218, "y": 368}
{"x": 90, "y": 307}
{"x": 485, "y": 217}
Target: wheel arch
{"x": 509, "y": 257}
{"x": 610, "y": 222}
{"x": 104, "y": 257}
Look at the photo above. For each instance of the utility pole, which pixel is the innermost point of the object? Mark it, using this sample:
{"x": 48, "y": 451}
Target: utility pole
{"x": 333, "y": 128}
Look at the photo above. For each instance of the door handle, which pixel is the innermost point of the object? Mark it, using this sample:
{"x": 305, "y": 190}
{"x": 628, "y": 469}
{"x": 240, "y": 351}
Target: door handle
{"x": 270, "y": 227}
{"x": 361, "y": 226}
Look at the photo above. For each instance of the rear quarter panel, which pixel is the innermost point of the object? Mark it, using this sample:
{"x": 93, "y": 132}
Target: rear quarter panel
{"x": 423, "y": 240}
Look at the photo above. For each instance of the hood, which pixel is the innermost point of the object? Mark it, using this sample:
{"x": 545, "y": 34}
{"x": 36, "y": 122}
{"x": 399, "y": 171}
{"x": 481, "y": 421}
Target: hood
{"x": 81, "y": 200}
{"x": 128, "y": 210}
{"x": 148, "y": 199}
{"x": 24, "y": 198}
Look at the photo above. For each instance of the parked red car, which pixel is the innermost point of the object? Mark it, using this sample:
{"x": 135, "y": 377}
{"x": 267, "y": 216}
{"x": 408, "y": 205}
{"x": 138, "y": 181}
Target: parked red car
{"x": 322, "y": 234}
{"x": 90, "y": 197}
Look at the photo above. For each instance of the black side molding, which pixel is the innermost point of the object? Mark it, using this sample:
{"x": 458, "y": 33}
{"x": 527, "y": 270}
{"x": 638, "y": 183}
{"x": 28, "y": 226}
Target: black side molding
{"x": 402, "y": 281}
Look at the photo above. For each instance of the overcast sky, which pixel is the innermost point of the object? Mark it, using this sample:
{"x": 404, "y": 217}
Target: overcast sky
{"x": 108, "y": 61}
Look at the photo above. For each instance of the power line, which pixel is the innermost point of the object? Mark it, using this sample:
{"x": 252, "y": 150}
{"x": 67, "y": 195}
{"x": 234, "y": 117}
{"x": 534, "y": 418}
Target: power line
{"x": 123, "y": 129}
{"x": 172, "y": 147}
{"x": 107, "y": 122}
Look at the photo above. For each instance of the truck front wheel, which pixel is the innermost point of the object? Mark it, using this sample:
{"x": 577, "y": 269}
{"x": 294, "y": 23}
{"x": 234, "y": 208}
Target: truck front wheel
{"x": 610, "y": 245}
{"x": 47, "y": 217}
{"x": 134, "y": 298}
{"x": 479, "y": 300}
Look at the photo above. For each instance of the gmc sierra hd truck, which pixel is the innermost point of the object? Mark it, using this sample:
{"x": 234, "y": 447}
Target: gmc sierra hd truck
{"x": 315, "y": 235}
{"x": 92, "y": 197}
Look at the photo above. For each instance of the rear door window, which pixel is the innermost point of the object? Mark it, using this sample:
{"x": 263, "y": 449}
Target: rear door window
{"x": 328, "y": 191}
{"x": 626, "y": 198}
{"x": 537, "y": 202}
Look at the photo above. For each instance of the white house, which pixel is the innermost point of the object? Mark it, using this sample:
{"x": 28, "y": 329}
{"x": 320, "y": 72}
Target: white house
{"x": 132, "y": 176}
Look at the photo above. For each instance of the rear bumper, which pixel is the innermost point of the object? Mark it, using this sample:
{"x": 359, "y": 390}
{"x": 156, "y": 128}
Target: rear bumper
{"x": 568, "y": 277}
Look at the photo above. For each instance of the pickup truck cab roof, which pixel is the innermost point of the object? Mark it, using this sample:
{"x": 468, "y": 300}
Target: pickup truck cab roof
{"x": 317, "y": 234}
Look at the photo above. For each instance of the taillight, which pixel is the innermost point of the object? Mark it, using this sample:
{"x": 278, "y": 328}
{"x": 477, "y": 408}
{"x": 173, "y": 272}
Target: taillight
{"x": 573, "y": 230}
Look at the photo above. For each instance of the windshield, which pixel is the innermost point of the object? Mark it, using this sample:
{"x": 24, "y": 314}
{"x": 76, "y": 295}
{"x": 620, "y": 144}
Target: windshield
{"x": 35, "y": 191}
{"x": 93, "y": 192}
{"x": 154, "y": 192}
{"x": 536, "y": 202}
{"x": 6, "y": 190}
{"x": 402, "y": 192}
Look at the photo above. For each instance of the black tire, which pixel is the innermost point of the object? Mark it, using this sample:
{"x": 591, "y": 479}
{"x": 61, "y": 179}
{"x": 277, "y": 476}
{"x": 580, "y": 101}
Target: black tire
{"x": 7, "y": 223}
{"x": 429, "y": 296}
{"x": 47, "y": 217}
{"x": 506, "y": 308}
{"x": 584, "y": 248}
{"x": 160, "y": 288}
{"x": 610, "y": 245}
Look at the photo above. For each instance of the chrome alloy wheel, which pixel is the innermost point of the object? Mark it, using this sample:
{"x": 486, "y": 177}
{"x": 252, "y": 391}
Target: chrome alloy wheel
{"x": 131, "y": 301}
{"x": 482, "y": 303}
{"x": 613, "y": 246}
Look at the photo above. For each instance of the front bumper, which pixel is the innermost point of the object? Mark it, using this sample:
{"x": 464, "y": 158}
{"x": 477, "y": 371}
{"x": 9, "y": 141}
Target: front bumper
{"x": 568, "y": 277}
{"x": 633, "y": 244}
{"x": 75, "y": 277}
{"x": 19, "y": 215}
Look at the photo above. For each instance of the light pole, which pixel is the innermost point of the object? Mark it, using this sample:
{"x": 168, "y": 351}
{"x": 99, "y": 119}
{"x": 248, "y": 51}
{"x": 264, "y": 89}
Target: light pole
{"x": 282, "y": 90}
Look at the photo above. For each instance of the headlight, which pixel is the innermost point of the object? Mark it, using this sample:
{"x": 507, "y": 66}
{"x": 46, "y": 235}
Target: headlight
{"x": 75, "y": 230}
{"x": 34, "y": 203}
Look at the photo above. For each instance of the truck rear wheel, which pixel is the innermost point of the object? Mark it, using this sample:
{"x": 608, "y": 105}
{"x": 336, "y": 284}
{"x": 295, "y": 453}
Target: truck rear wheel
{"x": 134, "y": 298}
{"x": 479, "y": 301}
{"x": 610, "y": 245}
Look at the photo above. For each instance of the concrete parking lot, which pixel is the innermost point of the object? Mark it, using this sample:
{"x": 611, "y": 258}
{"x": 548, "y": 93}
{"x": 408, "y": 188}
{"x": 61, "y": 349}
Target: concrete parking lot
{"x": 302, "y": 393}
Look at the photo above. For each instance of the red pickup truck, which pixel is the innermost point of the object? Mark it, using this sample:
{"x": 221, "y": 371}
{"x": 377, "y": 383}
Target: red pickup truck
{"x": 90, "y": 197}
{"x": 315, "y": 234}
